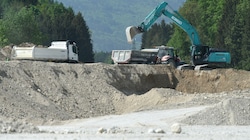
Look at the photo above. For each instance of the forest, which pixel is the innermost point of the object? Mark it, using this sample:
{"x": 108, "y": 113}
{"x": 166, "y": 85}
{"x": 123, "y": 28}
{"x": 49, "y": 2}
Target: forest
{"x": 220, "y": 24}
{"x": 41, "y": 22}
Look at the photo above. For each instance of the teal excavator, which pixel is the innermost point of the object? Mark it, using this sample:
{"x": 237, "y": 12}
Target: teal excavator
{"x": 201, "y": 55}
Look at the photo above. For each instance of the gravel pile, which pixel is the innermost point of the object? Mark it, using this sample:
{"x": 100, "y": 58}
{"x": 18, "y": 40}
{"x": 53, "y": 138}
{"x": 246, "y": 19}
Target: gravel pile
{"x": 235, "y": 111}
{"x": 47, "y": 92}
{"x": 10, "y": 127}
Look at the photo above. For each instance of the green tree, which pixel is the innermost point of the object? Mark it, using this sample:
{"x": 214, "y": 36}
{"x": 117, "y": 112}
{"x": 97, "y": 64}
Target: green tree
{"x": 180, "y": 40}
{"x": 83, "y": 38}
{"x": 158, "y": 34}
{"x": 21, "y": 26}
{"x": 104, "y": 57}
{"x": 244, "y": 61}
{"x": 3, "y": 38}
{"x": 43, "y": 21}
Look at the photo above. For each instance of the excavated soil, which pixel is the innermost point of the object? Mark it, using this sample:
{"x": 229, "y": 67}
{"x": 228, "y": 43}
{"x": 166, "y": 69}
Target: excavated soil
{"x": 47, "y": 93}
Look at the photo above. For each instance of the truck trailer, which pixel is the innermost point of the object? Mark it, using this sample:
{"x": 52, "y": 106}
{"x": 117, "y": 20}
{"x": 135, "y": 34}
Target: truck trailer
{"x": 133, "y": 56}
{"x": 157, "y": 55}
{"x": 59, "y": 51}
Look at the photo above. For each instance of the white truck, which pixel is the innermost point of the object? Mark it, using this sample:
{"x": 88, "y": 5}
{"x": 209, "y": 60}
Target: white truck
{"x": 59, "y": 51}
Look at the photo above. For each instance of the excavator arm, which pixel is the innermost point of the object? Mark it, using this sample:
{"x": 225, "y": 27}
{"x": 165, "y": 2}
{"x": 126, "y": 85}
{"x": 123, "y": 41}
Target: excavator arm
{"x": 163, "y": 9}
{"x": 132, "y": 31}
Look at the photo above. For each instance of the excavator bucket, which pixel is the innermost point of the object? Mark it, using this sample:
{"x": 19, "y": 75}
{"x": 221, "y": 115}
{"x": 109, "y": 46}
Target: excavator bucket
{"x": 131, "y": 32}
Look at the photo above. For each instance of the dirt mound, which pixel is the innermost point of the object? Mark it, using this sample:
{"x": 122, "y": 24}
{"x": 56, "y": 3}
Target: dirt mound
{"x": 44, "y": 92}
{"x": 138, "y": 79}
{"x": 7, "y": 127}
{"x": 213, "y": 81}
{"x": 5, "y": 53}
{"x": 235, "y": 111}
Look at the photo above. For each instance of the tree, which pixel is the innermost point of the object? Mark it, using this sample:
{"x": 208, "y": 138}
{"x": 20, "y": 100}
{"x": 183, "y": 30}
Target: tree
{"x": 158, "y": 34}
{"x": 104, "y": 57}
{"x": 180, "y": 40}
{"x": 83, "y": 38}
{"x": 21, "y": 26}
{"x": 244, "y": 60}
{"x": 3, "y": 38}
{"x": 43, "y": 21}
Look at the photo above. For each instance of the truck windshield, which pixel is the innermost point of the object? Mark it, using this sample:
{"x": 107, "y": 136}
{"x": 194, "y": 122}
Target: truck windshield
{"x": 163, "y": 52}
{"x": 75, "y": 49}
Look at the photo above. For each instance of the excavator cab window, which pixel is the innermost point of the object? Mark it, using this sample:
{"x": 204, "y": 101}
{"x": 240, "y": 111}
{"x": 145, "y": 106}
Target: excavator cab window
{"x": 200, "y": 52}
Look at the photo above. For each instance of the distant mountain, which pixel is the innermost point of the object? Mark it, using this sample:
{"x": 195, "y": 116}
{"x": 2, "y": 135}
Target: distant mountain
{"x": 108, "y": 19}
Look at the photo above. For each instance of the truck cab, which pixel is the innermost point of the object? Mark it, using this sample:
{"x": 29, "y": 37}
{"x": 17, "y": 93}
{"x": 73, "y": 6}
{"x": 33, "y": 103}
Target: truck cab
{"x": 69, "y": 46}
{"x": 167, "y": 55}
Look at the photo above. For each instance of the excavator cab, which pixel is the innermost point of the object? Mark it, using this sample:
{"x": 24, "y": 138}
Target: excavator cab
{"x": 199, "y": 55}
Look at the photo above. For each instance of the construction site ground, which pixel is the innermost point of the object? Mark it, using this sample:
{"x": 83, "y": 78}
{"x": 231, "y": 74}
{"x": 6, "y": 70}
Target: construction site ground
{"x": 46, "y": 100}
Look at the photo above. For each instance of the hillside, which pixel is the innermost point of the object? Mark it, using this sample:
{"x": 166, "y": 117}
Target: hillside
{"x": 108, "y": 20}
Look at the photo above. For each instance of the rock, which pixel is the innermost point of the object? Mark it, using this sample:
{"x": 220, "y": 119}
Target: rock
{"x": 159, "y": 130}
{"x": 151, "y": 130}
{"x": 176, "y": 128}
{"x": 102, "y": 130}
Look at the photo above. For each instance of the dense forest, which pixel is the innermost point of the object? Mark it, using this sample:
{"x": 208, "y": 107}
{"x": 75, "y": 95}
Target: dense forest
{"x": 220, "y": 24}
{"x": 41, "y": 22}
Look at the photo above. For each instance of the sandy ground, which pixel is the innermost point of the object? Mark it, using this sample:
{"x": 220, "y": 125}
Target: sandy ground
{"x": 138, "y": 125}
{"x": 46, "y": 100}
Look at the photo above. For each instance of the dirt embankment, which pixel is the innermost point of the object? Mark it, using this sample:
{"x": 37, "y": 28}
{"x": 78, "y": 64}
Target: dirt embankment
{"x": 46, "y": 92}
{"x": 40, "y": 92}
{"x": 218, "y": 80}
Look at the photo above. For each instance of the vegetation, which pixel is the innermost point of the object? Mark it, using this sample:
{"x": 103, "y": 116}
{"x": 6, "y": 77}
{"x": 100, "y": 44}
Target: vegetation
{"x": 159, "y": 34}
{"x": 42, "y": 21}
{"x": 220, "y": 24}
{"x": 104, "y": 57}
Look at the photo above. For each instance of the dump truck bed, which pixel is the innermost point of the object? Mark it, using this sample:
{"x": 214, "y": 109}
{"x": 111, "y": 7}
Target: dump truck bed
{"x": 133, "y": 56}
{"x": 34, "y": 53}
